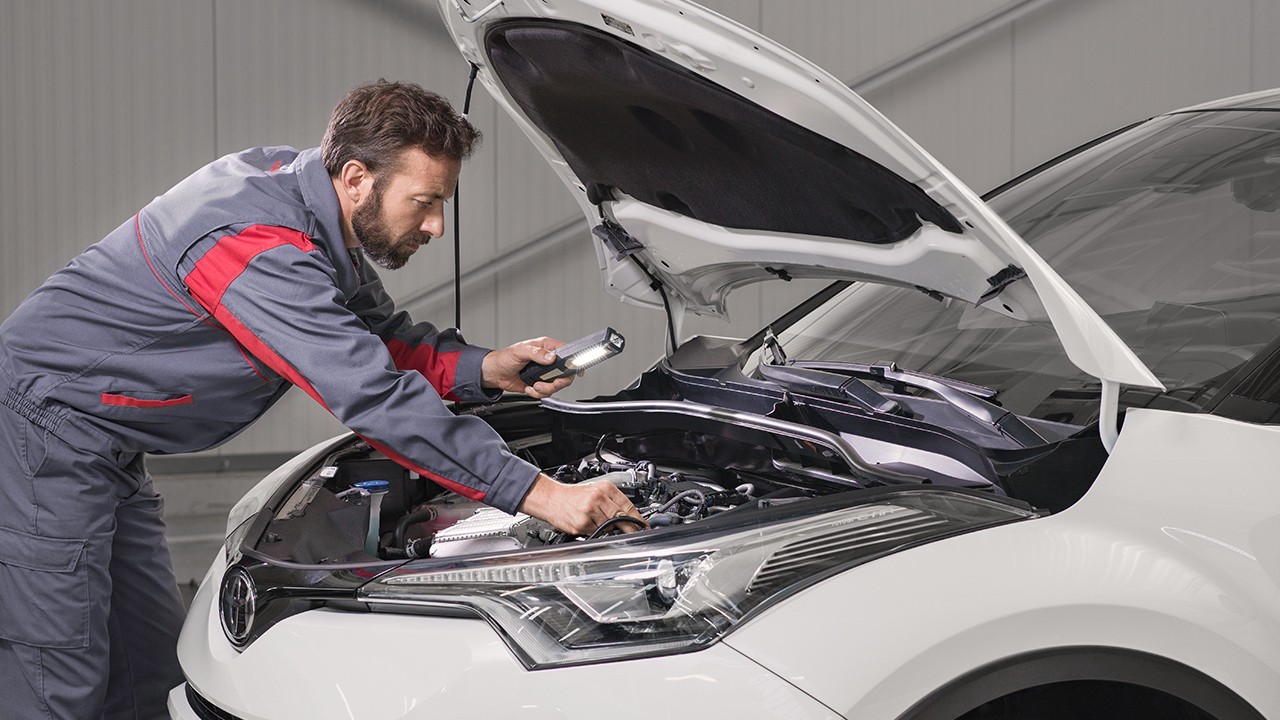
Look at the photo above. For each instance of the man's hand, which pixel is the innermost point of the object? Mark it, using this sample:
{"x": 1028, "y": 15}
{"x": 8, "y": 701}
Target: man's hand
{"x": 579, "y": 509}
{"x": 501, "y": 368}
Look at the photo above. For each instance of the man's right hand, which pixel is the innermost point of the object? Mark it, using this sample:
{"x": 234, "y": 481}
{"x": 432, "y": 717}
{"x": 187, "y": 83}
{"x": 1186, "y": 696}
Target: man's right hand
{"x": 579, "y": 509}
{"x": 501, "y": 368}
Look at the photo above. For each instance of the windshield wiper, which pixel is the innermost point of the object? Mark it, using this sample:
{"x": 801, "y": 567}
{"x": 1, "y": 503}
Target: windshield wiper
{"x": 829, "y": 385}
{"x": 890, "y": 373}
{"x": 965, "y": 397}
{"x": 817, "y": 381}
{"x": 775, "y": 347}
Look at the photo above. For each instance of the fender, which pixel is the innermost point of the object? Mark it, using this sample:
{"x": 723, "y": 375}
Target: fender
{"x": 1043, "y": 667}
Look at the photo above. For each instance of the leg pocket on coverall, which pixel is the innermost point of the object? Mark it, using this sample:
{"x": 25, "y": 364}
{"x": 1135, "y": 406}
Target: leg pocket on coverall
{"x": 34, "y": 444}
{"x": 53, "y": 571}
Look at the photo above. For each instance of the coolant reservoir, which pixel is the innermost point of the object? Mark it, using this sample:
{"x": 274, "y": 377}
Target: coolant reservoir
{"x": 377, "y": 490}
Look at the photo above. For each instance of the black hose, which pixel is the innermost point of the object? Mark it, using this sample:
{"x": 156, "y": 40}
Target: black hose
{"x": 412, "y": 518}
{"x": 611, "y": 522}
{"x": 417, "y": 548}
{"x": 666, "y": 304}
{"x": 600, "y": 446}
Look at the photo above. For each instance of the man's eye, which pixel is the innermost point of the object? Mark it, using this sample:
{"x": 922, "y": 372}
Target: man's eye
{"x": 424, "y": 203}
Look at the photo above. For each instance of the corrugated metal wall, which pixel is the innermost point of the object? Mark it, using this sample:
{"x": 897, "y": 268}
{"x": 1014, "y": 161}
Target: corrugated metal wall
{"x": 104, "y": 105}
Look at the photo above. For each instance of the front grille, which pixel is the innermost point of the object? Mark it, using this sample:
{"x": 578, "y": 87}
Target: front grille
{"x": 205, "y": 709}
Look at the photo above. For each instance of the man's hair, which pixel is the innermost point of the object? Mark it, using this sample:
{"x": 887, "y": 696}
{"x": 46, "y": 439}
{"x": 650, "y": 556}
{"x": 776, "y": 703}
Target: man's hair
{"x": 374, "y": 123}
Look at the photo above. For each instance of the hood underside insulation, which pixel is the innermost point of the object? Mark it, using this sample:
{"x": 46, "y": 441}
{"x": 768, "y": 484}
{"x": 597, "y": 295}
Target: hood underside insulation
{"x": 626, "y": 118}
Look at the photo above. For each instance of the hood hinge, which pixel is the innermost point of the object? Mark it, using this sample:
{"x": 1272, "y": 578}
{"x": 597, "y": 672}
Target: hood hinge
{"x": 1002, "y": 280}
{"x": 617, "y": 239}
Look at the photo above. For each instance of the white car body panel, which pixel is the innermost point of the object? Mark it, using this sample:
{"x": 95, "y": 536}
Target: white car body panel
{"x": 327, "y": 664}
{"x": 1191, "y": 574}
{"x": 251, "y": 502}
{"x": 711, "y": 256}
{"x": 1158, "y": 557}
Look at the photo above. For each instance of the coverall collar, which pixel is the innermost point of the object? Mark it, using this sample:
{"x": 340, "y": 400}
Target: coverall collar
{"x": 318, "y": 193}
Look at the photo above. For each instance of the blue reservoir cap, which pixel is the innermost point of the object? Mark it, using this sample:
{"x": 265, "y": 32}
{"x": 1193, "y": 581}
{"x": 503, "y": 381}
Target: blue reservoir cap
{"x": 374, "y": 486}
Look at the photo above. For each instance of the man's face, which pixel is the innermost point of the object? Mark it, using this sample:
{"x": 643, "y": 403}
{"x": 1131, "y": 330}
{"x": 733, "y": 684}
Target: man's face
{"x": 405, "y": 208}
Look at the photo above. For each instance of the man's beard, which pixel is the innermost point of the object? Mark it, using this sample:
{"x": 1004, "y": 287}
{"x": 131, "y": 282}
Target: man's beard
{"x": 370, "y": 227}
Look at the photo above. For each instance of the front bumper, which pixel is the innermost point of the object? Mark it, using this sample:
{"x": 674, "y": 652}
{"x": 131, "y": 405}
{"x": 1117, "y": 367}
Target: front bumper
{"x": 333, "y": 664}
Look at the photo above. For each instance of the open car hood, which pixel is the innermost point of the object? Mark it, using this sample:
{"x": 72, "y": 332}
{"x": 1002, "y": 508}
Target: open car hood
{"x": 708, "y": 157}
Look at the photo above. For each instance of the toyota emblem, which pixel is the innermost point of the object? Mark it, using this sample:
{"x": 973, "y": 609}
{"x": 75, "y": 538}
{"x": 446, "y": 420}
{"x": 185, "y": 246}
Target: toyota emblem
{"x": 237, "y": 605}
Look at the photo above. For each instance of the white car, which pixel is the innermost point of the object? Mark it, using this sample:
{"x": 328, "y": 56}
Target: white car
{"x": 944, "y": 487}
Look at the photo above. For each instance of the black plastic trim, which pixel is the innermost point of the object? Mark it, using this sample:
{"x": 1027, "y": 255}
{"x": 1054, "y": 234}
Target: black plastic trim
{"x": 1018, "y": 179}
{"x": 205, "y": 709}
{"x": 1233, "y": 399}
{"x": 1043, "y": 667}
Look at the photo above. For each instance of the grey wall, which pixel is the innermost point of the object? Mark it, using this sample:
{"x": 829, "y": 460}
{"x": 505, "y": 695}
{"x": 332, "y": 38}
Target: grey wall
{"x": 105, "y": 104}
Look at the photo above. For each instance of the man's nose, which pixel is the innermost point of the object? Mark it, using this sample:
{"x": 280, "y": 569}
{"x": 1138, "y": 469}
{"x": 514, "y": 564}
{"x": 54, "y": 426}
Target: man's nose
{"x": 433, "y": 225}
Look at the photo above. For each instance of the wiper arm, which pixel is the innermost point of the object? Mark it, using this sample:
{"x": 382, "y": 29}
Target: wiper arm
{"x": 890, "y": 372}
{"x": 965, "y": 397}
{"x": 775, "y": 347}
{"x": 829, "y": 385}
{"x": 819, "y": 382}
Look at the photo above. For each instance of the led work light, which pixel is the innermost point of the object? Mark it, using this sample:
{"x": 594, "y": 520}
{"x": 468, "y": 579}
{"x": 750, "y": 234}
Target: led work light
{"x": 576, "y": 356}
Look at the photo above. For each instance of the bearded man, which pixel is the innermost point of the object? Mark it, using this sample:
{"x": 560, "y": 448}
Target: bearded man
{"x": 178, "y": 330}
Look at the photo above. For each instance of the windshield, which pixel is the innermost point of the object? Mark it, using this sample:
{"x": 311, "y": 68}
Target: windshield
{"x": 1169, "y": 231}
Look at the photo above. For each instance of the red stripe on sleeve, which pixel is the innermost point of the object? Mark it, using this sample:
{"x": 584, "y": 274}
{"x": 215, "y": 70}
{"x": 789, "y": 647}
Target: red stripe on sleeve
{"x": 438, "y": 368}
{"x": 463, "y": 490}
{"x": 224, "y": 262}
{"x": 280, "y": 365}
{"x": 217, "y": 269}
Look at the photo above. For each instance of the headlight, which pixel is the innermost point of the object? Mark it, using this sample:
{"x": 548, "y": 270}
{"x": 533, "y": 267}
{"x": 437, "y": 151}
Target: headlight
{"x": 595, "y": 602}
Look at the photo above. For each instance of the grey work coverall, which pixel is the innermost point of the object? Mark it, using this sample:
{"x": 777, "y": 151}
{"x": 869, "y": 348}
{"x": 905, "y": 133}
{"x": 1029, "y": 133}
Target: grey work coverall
{"x": 171, "y": 335}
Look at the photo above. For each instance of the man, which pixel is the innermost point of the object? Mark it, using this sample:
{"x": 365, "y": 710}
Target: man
{"x": 177, "y": 331}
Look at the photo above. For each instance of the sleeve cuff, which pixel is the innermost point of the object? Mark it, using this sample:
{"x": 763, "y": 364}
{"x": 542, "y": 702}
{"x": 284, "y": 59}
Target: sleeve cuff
{"x": 468, "y": 376}
{"x": 512, "y": 484}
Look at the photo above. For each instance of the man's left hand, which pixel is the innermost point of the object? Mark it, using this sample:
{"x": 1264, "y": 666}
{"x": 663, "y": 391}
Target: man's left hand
{"x": 501, "y": 368}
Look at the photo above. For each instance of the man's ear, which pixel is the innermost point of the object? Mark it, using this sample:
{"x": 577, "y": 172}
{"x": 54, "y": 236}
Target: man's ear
{"x": 354, "y": 179}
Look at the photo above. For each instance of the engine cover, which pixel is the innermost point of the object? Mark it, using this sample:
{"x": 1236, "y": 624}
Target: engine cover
{"x": 490, "y": 530}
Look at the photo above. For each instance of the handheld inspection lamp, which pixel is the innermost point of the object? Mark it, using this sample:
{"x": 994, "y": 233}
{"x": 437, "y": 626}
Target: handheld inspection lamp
{"x": 576, "y": 356}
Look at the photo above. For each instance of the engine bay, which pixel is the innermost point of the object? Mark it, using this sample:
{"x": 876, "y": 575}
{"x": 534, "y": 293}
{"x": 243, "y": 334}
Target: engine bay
{"x": 679, "y": 462}
{"x": 358, "y": 494}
